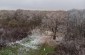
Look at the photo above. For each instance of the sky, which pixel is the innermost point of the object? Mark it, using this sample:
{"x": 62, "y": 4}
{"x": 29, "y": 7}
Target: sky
{"x": 42, "y": 4}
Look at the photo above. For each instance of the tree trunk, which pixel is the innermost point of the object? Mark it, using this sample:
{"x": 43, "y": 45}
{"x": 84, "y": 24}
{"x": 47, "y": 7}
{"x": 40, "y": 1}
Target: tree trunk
{"x": 54, "y": 31}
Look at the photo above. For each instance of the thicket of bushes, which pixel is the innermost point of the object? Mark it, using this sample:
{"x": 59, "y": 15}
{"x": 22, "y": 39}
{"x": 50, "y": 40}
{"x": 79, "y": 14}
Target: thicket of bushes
{"x": 14, "y": 27}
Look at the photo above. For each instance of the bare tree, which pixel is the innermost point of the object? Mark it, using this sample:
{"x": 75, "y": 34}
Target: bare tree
{"x": 53, "y": 19}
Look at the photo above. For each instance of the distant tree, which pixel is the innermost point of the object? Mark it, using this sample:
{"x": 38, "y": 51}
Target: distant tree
{"x": 53, "y": 20}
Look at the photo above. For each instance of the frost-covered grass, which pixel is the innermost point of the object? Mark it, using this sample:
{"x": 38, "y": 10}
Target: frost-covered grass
{"x": 20, "y": 50}
{"x": 43, "y": 50}
{"x": 36, "y": 44}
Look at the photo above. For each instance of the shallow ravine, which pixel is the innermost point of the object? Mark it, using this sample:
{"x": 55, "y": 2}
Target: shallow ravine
{"x": 31, "y": 45}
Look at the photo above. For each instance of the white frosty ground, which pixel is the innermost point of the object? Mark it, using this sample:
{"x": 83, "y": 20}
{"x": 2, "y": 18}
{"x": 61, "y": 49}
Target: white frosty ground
{"x": 37, "y": 39}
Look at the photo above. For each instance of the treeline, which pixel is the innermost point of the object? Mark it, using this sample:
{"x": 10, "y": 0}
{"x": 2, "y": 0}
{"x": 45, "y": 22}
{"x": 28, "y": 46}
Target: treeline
{"x": 23, "y": 21}
{"x": 17, "y": 24}
{"x": 74, "y": 40}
